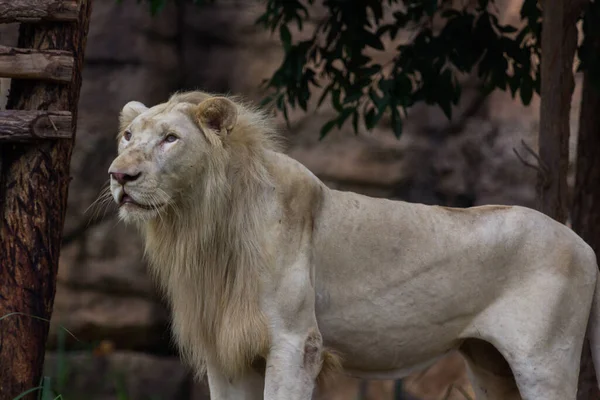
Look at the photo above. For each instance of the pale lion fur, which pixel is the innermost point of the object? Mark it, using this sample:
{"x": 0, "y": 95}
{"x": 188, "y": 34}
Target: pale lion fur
{"x": 212, "y": 244}
{"x": 261, "y": 261}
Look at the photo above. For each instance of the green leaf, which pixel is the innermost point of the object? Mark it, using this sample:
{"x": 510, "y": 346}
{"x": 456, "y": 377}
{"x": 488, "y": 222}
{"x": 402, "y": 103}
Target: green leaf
{"x": 280, "y": 103}
{"x": 378, "y": 102}
{"x": 344, "y": 116}
{"x": 386, "y": 85}
{"x": 157, "y": 6}
{"x": 513, "y": 83}
{"x": 354, "y": 95}
{"x": 327, "y": 127}
{"x": 394, "y": 32}
{"x": 25, "y": 393}
{"x": 526, "y": 90}
{"x": 286, "y": 37}
{"x": 370, "y": 119}
{"x": 355, "y": 121}
{"x": 266, "y": 101}
{"x": 286, "y": 116}
{"x": 324, "y": 94}
{"x": 530, "y": 10}
{"x": 371, "y": 70}
{"x": 335, "y": 97}
{"x": 374, "y": 41}
{"x": 402, "y": 85}
{"x": 430, "y": 6}
{"x": 446, "y": 107}
{"x": 457, "y": 93}
{"x": 396, "y": 122}
{"x": 401, "y": 18}
{"x": 47, "y": 393}
{"x": 62, "y": 366}
{"x": 506, "y": 28}
{"x": 450, "y": 13}
{"x": 377, "y": 9}
{"x": 119, "y": 383}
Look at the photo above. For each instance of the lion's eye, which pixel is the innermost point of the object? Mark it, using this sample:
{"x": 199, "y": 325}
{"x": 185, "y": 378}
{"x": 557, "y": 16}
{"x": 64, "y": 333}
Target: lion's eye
{"x": 170, "y": 138}
{"x": 127, "y": 135}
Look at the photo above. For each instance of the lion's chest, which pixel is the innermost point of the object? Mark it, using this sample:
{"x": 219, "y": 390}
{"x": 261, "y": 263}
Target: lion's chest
{"x": 213, "y": 328}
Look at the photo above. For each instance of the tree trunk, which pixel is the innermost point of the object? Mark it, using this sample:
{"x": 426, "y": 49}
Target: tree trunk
{"x": 586, "y": 199}
{"x": 586, "y": 205}
{"x": 34, "y": 180}
{"x": 559, "y": 42}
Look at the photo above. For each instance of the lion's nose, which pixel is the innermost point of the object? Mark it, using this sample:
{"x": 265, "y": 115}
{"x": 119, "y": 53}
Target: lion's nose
{"x": 123, "y": 178}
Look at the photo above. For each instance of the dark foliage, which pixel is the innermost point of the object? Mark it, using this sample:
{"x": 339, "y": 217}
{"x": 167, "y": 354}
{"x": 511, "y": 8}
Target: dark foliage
{"x": 445, "y": 43}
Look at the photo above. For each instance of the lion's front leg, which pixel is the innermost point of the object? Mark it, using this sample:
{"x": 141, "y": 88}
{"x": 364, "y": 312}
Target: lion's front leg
{"x": 293, "y": 365}
{"x": 250, "y": 386}
{"x": 296, "y": 352}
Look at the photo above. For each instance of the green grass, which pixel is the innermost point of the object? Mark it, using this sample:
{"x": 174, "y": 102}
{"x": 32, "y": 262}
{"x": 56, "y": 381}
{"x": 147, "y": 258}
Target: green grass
{"x": 50, "y": 389}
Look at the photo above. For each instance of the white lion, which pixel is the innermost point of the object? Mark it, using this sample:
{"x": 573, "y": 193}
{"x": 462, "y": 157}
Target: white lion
{"x": 271, "y": 275}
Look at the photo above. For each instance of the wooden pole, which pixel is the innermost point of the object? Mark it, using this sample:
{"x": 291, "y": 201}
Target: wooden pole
{"x": 559, "y": 42}
{"x": 586, "y": 199}
{"x": 34, "y": 181}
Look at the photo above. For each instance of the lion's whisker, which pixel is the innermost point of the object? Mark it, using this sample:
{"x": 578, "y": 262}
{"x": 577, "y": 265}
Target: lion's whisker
{"x": 102, "y": 207}
{"x": 104, "y": 193}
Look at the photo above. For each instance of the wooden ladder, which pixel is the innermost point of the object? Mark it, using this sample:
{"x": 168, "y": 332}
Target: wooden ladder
{"x": 43, "y": 65}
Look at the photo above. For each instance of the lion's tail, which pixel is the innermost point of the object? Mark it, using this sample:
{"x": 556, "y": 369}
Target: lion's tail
{"x": 594, "y": 329}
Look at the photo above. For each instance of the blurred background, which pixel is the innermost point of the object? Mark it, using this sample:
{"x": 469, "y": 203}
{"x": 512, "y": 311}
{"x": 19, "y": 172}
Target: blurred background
{"x": 104, "y": 296}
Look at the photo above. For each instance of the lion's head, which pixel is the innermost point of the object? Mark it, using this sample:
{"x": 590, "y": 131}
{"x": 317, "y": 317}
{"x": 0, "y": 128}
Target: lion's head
{"x": 165, "y": 151}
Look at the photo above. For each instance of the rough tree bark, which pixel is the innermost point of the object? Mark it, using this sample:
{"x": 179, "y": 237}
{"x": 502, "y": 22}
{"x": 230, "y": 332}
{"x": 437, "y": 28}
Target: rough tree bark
{"x": 559, "y": 42}
{"x": 34, "y": 181}
{"x": 586, "y": 205}
{"x": 586, "y": 199}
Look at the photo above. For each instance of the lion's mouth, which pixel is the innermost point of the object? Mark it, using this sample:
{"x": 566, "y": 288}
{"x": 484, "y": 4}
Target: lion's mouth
{"x": 128, "y": 200}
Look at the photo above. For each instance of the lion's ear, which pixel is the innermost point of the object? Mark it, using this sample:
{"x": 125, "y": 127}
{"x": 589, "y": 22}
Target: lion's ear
{"x": 217, "y": 114}
{"x": 130, "y": 111}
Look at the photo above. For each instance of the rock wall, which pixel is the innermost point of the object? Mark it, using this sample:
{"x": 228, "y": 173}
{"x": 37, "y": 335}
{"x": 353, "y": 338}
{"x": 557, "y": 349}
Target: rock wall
{"x": 104, "y": 296}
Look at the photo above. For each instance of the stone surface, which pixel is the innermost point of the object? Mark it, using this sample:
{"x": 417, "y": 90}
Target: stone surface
{"x": 142, "y": 39}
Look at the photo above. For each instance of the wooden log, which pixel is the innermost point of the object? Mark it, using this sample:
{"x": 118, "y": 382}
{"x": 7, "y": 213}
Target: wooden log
{"x": 38, "y": 10}
{"x": 49, "y": 65}
{"x": 20, "y": 125}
